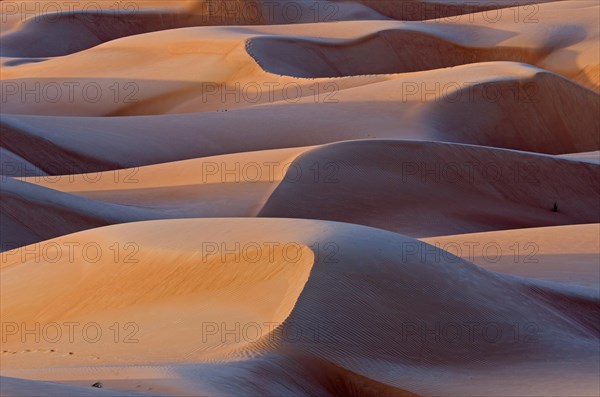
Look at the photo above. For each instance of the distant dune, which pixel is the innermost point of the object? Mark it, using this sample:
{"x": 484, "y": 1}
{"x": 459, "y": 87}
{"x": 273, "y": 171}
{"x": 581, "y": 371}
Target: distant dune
{"x": 424, "y": 189}
{"x": 290, "y": 198}
{"x": 415, "y": 188}
{"x": 502, "y": 118}
{"x": 537, "y": 252}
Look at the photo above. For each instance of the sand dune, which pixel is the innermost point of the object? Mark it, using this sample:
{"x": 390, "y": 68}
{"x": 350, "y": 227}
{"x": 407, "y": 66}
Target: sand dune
{"x": 226, "y": 186}
{"x": 590, "y": 157}
{"x": 394, "y": 51}
{"x": 31, "y": 213}
{"x": 103, "y": 84}
{"x": 17, "y": 12}
{"x": 568, "y": 254}
{"x": 403, "y": 109}
{"x": 67, "y": 28}
{"x": 405, "y": 47}
{"x": 425, "y": 189}
{"x": 203, "y": 277}
{"x": 14, "y": 165}
{"x": 415, "y": 188}
{"x": 300, "y": 198}
{"x": 352, "y": 338}
{"x": 417, "y": 10}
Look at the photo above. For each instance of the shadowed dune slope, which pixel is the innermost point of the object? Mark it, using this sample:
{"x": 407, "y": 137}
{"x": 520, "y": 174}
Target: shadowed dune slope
{"x": 427, "y": 189}
{"x": 195, "y": 188}
{"x": 568, "y": 49}
{"x": 390, "y": 51}
{"x": 32, "y": 213}
{"x": 331, "y": 198}
{"x": 527, "y": 109}
{"x": 416, "y": 188}
{"x": 61, "y": 29}
{"x": 371, "y": 49}
{"x": 544, "y": 113}
{"x": 567, "y": 254}
{"x": 367, "y": 351}
{"x": 51, "y": 34}
{"x": 419, "y": 10}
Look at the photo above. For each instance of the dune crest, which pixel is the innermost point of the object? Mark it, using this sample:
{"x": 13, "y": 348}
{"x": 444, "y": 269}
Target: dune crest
{"x": 291, "y": 198}
{"x": 348, "y": 337}
{"x": 423, "y": 189}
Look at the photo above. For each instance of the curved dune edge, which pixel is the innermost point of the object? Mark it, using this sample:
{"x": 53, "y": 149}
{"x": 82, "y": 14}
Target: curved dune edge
{"x": 444, "y": 43}
{"x": 588, "y": 157}
{"x": 566, "y": 254}
{"x": 404, "y": 109}
{"x": 322, "y": 182}
{"x": 390, "y": 52}
{"x": 418, "y": 10}
{"x": 372, "y": 268}
{"x": 126, "y": 284}
{"x": 256, "y": 167}
{"x": 69, "y": 32}
{"x": 568, "y": 50}
{"x": 425, "y": 189}
{"x": 22, "y": 37}
{"x": 230, "y": 185}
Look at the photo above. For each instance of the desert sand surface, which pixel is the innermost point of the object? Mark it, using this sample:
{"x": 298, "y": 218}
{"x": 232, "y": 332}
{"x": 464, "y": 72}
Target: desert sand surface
{"x": 300, "y": 198}
{"x": 534, "y": 253}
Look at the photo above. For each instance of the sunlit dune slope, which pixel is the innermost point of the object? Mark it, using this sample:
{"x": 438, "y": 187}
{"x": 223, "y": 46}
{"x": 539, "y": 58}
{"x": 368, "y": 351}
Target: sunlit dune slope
{"x": 226, "y": 186}
{"x": 567, "y": 254}
{"x": 428, "y": 188}
{"x": 415, "y": 188}
{"x": 506, "y": 105}
{"x": 326, "y": 288}
{"x": 350, "y": 48}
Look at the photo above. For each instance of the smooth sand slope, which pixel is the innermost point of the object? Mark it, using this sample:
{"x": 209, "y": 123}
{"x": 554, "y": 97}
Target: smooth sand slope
{"x": 42, "y": 207}
{"x": 100, "y": 81}
{"x": 568, "y": 254}
{"x": 407, "y": 47}
{"x": 333, "y": 293}
{"x": 417, "y": 10}
{"x": 428, "y": 188}
{"x": 416, "y": 188}
{"x": 69, "y": 27}
{"x": 219, "y": 198}
{"x": 589, "y": 157}
{"x": 508, "y": 105}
